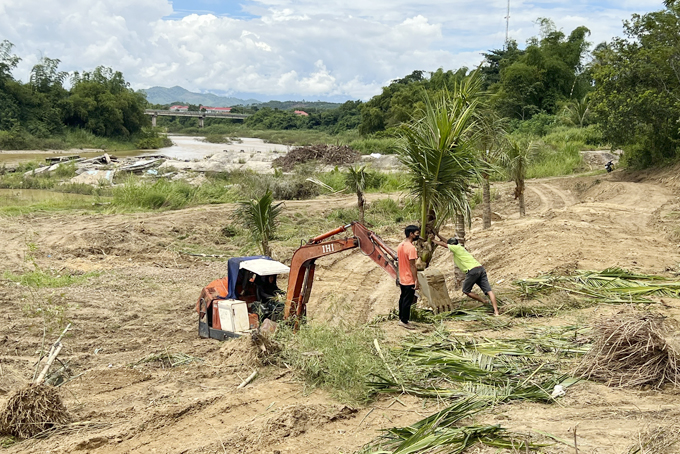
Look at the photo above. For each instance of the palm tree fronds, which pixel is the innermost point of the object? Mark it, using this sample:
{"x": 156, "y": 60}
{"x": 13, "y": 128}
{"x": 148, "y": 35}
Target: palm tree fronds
{"x": 612, "y": 285}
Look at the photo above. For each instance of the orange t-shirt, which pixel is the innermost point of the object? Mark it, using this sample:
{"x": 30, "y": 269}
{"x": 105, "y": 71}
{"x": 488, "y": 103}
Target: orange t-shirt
{"x": 406, "y": 251}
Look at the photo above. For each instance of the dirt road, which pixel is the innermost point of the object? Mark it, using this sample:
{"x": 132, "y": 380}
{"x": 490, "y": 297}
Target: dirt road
{"x": 141, "y": 304}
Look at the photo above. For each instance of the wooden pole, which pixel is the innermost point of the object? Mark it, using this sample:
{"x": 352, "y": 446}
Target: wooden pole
{"x": 245, "y": 382}
{"x": 50, "y": 360}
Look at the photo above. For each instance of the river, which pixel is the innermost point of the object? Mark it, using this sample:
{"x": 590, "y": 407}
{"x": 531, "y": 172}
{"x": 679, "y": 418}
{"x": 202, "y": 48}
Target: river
{"x": 184, "y": 148}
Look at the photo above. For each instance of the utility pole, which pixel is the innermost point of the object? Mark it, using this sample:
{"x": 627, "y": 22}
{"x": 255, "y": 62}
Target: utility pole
{"x": 507, "y": 26}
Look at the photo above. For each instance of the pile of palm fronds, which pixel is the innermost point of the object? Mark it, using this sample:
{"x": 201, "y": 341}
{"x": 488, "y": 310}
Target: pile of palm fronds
{"x": 167, "y": 360}
{"x": 326, "y": 154}
{"x": 613, "y": 285}
{"x": 31, "y": 410}
{"x": 657, "y": 440}
{"x": 439, "y": 432}
{"x": 634, "y": 350}
{"x": 474, "y": 375}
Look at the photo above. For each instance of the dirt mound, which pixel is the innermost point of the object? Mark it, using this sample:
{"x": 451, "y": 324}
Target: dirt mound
{"x": 290, "y": 422}
{"x": 296, "y": 419}
{"x": 121, "y": 240}
{"x": 248, "y": 352}
{"x": 327, "y": 154}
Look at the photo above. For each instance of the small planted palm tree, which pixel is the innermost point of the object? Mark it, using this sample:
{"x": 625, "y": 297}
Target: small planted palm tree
{"x": 356, "y": 181}
{"x": 259, "y": 217}
{"x": 491, "y": 147}
{"x": 438, "y": 151}
{"x": 517, "y": 163}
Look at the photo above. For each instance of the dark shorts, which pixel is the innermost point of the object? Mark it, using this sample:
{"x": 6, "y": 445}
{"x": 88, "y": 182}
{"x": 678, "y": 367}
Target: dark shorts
{"x": 476, "y": 276}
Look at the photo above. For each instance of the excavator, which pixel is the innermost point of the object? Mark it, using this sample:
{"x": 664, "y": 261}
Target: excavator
{"x": 225, "y": 305}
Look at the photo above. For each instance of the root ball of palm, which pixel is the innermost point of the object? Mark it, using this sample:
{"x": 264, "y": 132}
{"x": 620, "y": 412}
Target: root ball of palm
{"x": 634, "y": 350}
{"x": 31, "y": 410}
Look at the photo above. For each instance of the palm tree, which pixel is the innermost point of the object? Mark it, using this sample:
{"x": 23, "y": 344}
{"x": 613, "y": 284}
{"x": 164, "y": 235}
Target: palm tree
{"x": 517, "y": 163}
{"x": 438, "y": 153}
{"x": 491, "y": 146}
{"x": 356, "y": 181}
{"x": 577, "y": 112}
{"x": 259, "y": 217}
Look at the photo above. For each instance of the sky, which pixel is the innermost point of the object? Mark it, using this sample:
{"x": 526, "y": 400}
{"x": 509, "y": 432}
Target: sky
{"x": 330, "y": 50}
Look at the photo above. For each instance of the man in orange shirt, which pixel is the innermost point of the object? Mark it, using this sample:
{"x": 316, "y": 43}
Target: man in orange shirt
{"x": 408, "y": 275}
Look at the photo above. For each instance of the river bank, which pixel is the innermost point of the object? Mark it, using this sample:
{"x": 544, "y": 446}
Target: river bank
{"x": 183, "y": 148}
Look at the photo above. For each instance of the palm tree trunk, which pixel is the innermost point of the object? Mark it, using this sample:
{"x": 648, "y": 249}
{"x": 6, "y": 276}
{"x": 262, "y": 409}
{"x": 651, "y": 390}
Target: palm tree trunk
{"x": 486, "y": 195}
{"x": 460, "y": 234}
{"x": 266, "y": 250}
{"x": 361, "y": 202}
{"x": 522, "y": 208}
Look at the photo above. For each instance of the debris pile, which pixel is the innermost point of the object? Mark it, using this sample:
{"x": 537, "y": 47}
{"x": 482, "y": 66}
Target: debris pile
{"x": 634, "y": 350}
{"x": 326, "y": 154}
{"x": 33, "y": 409}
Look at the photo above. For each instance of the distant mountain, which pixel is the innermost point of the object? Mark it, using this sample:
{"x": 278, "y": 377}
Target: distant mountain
{"x": 162, "y": 95}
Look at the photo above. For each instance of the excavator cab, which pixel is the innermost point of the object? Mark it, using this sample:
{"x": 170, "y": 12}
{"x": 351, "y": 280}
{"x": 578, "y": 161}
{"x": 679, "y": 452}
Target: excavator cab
{"x": 231, "y": 306}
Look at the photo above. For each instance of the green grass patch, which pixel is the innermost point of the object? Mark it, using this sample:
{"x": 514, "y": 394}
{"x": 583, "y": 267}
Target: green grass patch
{"x": 17, "y": 202}
{"x": 334, "y": 358}
{"x": 39, "y": 278}
{"x": 555, "y": 161}
{"x": 166, "y": 194}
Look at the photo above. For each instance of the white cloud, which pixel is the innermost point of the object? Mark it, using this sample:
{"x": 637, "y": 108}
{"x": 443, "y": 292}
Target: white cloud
{"x": 296, "y": 48}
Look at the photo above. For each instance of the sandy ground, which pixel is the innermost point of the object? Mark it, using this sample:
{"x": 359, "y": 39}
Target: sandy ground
{"x": 142, "y": 303}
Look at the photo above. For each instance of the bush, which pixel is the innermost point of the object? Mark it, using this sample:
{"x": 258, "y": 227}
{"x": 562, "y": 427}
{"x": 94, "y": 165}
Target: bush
{"x": 66, "y": 170}
{"x": 342, "y": 360}
{"x": 153, "y": 195}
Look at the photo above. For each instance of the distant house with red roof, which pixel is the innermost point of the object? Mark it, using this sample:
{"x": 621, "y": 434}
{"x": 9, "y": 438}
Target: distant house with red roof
{"x": 301, "y": 112}
{"x": 179, "y": 108}
{"x": 217, "y": 109}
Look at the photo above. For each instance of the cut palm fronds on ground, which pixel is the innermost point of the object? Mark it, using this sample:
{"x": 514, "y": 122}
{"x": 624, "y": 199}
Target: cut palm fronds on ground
{"x": 167, "y": 360}
{"x": 450, "y": 368}
{"x": 454, "y": 440}
{"x": 534, "y": 390}
{"x": 657, "y": 440}
{"x": 428, "y": 316}
{"x": 547, "y": 306}
{"x": 31, "y": 410}
{"x": 439, "y": 433}
{"x": 634, "y": 350}
{"x": 471, "y": 375}
{"x": 613, "y": 285}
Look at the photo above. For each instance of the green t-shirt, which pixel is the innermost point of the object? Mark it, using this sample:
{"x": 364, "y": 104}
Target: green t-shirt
{"x": 462, "y": 258}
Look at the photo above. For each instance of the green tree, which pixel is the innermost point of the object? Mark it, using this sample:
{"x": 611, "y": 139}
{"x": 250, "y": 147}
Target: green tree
{"x": 577, "y": 112}
{"x": 637, "y": 95}
{"x": 549, "y": 71}
{"x": 102, "y": 102}
{"x": 437, "y": 149}
{"x": 258, "y": 216}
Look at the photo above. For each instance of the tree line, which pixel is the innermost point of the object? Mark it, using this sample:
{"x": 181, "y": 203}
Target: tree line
{"x": 99, "y": 102}
{"x": 626, "y": 91}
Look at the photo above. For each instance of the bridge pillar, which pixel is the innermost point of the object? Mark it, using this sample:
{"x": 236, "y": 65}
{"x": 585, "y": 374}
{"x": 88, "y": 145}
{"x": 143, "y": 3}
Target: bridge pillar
{"x": 201, "y": 122}
{"x": 153, "y": 120}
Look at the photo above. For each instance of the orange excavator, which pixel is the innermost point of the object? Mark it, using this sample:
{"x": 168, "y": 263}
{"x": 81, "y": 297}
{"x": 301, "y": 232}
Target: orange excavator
{"x": 225, "y": 308}
{"x": 303, "y": 263}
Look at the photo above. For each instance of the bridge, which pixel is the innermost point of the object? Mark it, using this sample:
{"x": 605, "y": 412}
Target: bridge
{"x": 200, "y": 115}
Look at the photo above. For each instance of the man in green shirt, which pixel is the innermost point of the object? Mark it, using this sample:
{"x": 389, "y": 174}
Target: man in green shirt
{"x": 474, "y": 271}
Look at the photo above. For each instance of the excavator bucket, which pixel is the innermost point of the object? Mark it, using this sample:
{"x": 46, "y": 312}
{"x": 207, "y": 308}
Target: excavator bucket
{"x": 433, "y": 291}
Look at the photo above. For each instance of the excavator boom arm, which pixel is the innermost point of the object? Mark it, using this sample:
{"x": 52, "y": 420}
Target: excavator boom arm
{"x": 303, "y": 263}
